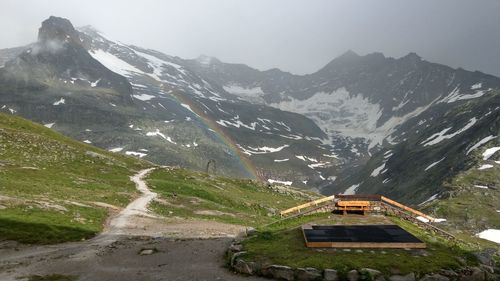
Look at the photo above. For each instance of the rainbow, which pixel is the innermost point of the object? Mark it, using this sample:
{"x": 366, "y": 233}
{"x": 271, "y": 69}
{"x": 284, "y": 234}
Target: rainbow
{"x": 219, "y": 133}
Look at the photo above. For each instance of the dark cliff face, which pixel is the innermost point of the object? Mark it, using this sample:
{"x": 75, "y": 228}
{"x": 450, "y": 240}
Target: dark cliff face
{"x": 59, "y": 29}
{"x": 59, "y": 56}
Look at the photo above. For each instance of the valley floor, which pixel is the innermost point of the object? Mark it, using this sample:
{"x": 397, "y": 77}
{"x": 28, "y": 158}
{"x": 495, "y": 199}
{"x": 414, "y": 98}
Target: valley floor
{"x": 179, "y": 249}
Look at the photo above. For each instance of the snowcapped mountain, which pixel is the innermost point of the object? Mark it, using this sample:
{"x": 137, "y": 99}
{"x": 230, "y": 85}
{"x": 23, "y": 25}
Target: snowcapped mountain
{"x": 414, "y": 121}
{"x": 354, "y": 96}
{"x": 367, "y": 124}
{"x": 147, "y": 104}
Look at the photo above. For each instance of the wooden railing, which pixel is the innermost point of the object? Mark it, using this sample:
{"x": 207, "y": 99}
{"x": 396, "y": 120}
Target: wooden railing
{"x": 406, "y": 208}
{"x": 307, "y": 205}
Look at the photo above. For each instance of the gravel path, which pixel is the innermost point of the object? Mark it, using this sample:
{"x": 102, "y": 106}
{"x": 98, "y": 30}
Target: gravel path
{"x": 181, "y": 249}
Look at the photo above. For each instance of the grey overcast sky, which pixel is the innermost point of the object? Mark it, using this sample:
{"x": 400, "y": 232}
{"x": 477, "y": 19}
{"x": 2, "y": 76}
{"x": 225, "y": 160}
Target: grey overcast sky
{"x": 296, "y": 36}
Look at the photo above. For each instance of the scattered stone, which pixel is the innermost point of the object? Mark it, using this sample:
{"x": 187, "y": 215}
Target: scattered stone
{"x": 250, "y": 231}
{"x": 308, "y": 274}
{"x": 2, "y": 207}
{"x": 448, "y": 273}
{"x": 486, "y": 256}
{"x": 487, "y": 268}
{"x": 461, "y": 261}
{"x": 359, "y": 251}
{"x": 407, "y": 277}
{"x": 353, "y": 275}
{"x": 434, "y": 277}
{"x": 281, "y": 272}
{"x": 236, "y": 248}
{"x": 146, "y": 252}
{"x": 474, "y": 274}
{"x": 330, "y": 275}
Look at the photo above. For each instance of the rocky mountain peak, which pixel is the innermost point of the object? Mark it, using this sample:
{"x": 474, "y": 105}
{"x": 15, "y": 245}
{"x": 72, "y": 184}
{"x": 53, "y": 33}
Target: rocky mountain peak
{"x": 206, "y": 60}
{"x": 57, "y": 29}
{"x": 412, "y": 57}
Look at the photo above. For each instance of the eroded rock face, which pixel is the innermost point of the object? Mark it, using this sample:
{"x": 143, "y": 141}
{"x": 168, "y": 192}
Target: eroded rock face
{"x": 308, "y": 274}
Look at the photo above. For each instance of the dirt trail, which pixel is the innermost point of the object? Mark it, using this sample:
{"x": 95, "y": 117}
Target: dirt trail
{"x": 183, "y": 249}
{"x": 138, "y": 207}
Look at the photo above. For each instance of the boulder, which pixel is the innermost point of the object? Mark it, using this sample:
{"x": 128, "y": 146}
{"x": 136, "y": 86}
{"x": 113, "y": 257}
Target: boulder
{"x": 407, "y": 277}
{"x": 448, "y": 273}
{"x": 372, "y": 273}
{"x": 234, "y": 257}
{"x": 330, "y": 275}
{"x": 353, "y": 275}
{"x": 250, "y": 231}
{"x": 236, "y": 248}
{"x": 280, "y": 272}
{"x": 308, "y": 274}
{"x": 434, "y": 277}
{"x": 474, "y": 274}
{"x": 244, "y": 267}
{"x": 486, "y": 256}
{"x": 146, "y": 252}
{"x": 486, "y": 268}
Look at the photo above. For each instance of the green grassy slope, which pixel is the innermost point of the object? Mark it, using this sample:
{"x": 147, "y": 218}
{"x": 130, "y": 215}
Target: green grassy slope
{"x": 191, "y": 194}
{"x": 51, "y": 186}
{"x": 473, "y": 198}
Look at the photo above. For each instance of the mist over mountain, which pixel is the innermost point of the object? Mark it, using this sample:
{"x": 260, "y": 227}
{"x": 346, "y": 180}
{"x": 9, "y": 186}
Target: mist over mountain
{"x": 313, "y": 131}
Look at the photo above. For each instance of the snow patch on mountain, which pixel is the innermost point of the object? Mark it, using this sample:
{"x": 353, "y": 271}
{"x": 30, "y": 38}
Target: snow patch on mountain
{"x": 476, "y": 86}
{"x": 328, "y": 110}
{"x": 377, "y": 171}
{"x": 485, "y": 166}
{"x": 114, "y": 63}
{"x": 261, "y": 150}
{"x": 236, "y": 122}
{"x": 254, "y": 94}
{"x": 352, "y": 189}
{"x": 135, "y": 153}
{"x": 456, "y": 96}
{"x": 287, "y": 183}
{"x": 489, "y": 152}
{"x": 490, "y": 234}
{"x": 479, "y": 143}
{"x": 158, "y": 133}
{"x": 438, "y": 137}
{"x": 434, "y": 164}
{"x": 59, "y": 102}
{"x": 143, "y": 97}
